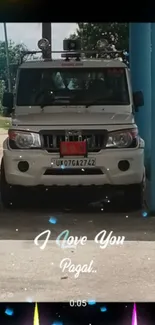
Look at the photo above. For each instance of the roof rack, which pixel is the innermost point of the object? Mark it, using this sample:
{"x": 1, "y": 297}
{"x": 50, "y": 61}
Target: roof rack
{"x": 104, "y": 54}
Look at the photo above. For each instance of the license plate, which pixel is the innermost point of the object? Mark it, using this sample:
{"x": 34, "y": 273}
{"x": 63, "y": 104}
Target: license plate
{"x": 73, "y": 148}
{"x": 73, "y": 163}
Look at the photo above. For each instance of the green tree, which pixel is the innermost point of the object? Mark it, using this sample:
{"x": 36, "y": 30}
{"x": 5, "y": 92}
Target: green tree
{"x": 1, "y": 94}
{"x": 14, "y": 58}
{"x": 90, "y": 33}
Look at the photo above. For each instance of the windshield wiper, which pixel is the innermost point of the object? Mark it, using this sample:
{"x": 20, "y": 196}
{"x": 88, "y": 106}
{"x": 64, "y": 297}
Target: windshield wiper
{"x": 62, "y": 100}
{"x": 95, "y": 101}
{"x": 104, "y": 102}
{"x": 49, "y": 97}
{"x": 45, "y": 93}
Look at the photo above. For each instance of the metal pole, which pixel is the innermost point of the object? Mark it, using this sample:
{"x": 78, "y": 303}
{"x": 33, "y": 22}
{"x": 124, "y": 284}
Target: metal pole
{"x": 152, "y": 156}
{"x": 47, "y": 33}
{"x": 51, "y": 39}
{"x": 7, "y": 58}
{"x": 140, "y": 65}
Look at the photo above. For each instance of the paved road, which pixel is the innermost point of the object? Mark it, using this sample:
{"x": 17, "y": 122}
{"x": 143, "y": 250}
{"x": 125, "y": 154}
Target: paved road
{"x": 34, "y": 220}
{"x": 123, "y": 273}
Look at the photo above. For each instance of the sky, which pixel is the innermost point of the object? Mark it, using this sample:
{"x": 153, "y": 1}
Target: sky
{"x": 30, "y": 33}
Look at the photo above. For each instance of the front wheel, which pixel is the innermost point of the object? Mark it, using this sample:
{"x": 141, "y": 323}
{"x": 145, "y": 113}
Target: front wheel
{"x": 134, "y": 196}
{"x": 10, "y": 195}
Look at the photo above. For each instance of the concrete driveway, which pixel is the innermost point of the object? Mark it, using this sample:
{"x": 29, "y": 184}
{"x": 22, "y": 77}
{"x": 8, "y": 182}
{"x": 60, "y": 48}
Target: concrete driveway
{"x": 120, "y": 273}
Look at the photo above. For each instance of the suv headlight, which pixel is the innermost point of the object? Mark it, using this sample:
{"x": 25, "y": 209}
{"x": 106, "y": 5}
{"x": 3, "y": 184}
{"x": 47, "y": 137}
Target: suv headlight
{"x": 123, "y": 139}
{"x": 24, "y": 139}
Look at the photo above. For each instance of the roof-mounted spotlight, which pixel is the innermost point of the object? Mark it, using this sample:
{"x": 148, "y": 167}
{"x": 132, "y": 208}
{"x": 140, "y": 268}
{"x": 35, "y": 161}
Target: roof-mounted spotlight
{"x": 102, "y": 44}
{"x": 43, "y": 44}
{"x": 72, "y": 49}
{"x": 71, "y": 45}
{"x": 102, "y": 48}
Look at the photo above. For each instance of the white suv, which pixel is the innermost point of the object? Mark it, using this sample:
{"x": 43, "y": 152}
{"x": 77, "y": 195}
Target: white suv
{"x": 73, "y": 125}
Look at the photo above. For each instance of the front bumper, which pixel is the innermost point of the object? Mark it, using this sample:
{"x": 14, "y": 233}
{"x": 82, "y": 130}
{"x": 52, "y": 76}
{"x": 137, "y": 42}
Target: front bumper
{"x": 107, "y": 160}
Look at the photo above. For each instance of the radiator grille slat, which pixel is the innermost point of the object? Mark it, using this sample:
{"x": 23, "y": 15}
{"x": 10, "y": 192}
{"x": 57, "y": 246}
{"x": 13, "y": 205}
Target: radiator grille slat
{"x": 96, "y": 140}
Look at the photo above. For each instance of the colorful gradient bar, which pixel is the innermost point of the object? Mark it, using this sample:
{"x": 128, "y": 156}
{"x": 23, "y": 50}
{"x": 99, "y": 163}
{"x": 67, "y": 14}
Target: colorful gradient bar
{"x": 134, "y": 315}
{"x": 36, "y": 315}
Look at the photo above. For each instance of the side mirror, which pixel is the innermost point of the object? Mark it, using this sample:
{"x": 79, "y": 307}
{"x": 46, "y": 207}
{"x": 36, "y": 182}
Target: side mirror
{"x": 138, "y": 99}
{"x": 7, "y": 102}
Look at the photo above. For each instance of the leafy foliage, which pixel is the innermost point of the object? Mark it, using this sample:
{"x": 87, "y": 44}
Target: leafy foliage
{"x": 14, "y": 57}
{"x": 90, "y": 33}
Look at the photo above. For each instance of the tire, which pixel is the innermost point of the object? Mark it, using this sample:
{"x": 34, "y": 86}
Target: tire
{"x": 134, "y": 196}
{"x": 10, "y": 195}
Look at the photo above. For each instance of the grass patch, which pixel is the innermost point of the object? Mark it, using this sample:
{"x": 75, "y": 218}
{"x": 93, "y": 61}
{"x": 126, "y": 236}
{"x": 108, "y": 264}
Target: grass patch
{"x": 4, "y": 123}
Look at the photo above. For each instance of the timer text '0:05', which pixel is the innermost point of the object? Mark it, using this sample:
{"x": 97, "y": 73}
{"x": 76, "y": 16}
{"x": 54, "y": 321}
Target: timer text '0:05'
{"x": 78, "y": 303}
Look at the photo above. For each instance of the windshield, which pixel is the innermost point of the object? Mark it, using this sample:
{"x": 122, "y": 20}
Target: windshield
{"x": 72, "y": 86}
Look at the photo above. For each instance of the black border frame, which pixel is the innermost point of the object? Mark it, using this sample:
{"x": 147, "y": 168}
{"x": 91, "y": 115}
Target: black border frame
{"x": 47, "y": 10}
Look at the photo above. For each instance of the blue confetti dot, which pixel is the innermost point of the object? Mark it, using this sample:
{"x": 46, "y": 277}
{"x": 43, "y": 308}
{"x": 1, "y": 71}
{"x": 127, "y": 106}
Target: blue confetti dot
{"x": 145, "y": 214}
{"x": 9, "y": 311}
{"x": 91, "y": 302}
{"x": 62, "y": 167}
{"x": 57, "y": 323}
{"x": 103, "y": 309}
{"x": 53, "y": 220}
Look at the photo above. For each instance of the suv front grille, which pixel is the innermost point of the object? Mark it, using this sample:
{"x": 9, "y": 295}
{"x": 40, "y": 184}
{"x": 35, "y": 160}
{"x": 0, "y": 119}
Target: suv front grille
{"x": 96, "y": 140}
